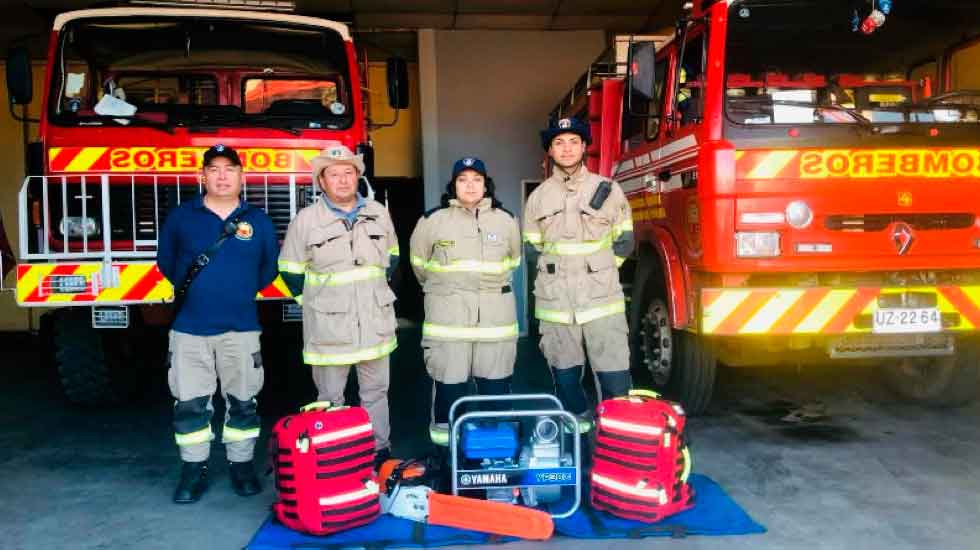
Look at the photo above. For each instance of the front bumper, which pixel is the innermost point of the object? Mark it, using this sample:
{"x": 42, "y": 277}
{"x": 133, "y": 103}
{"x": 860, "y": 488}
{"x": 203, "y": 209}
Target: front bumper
{"x": 830, "y": 311}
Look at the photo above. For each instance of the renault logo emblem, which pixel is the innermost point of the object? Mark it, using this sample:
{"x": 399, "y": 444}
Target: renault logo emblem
{"x": 902, "y": 237}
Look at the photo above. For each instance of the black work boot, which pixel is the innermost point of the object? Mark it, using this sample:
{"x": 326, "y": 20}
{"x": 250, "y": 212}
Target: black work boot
{"x": 193, "y": 482}
{"x": 614, "y": 384}
{"x": 380, "y": 456}
{"x": 568, "y": 388}
{"x": 243, "y": 479}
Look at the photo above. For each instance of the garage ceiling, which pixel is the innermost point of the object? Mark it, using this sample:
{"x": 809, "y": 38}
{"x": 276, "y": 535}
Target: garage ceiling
{"x": 31, "y": 18}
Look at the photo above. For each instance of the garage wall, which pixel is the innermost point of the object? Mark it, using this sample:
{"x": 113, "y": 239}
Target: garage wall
{"x": 965, "y": 68}
{"x": 11, "y": 178}
{"x": 487, "y": 94}
{"x": 397, "y": 148}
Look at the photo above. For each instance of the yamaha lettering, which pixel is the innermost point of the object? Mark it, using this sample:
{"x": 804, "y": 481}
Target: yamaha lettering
{"x": 483, "y": 479}
{"x": 515, "y": 478}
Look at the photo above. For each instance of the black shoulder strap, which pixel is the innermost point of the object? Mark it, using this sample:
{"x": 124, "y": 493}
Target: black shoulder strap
{"x": 204, "y": 258}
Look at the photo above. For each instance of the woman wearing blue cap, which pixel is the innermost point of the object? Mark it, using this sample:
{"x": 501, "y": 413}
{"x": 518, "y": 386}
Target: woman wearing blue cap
{"x": 463, "y": 254}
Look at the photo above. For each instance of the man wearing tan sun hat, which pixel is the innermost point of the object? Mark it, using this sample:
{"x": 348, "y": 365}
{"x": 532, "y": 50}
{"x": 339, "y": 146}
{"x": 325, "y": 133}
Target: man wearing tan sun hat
{"x": 336, "y": 260}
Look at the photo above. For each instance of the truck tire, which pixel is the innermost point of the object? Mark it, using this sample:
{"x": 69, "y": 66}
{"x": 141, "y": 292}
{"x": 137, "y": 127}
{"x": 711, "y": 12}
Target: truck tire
{"x": 940, "y": 382}
{"x": 92, "y": 364}
{"x": 682, "y": 365}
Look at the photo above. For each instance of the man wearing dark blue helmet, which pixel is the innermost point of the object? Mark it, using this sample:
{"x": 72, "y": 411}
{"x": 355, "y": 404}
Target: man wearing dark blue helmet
{"x": 580, "y": 226}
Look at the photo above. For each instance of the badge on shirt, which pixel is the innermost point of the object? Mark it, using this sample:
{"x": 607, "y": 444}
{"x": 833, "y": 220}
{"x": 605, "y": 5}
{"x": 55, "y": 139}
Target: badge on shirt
{"x": 244, "y": 231}
{"x": 491, "y": 237}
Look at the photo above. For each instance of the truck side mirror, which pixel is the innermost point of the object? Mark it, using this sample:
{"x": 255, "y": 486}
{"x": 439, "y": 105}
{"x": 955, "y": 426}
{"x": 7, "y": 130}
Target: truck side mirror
{"x": 19, "y": 79}
{"x": 642, "y": 57}
{"x": 397, "y": 83}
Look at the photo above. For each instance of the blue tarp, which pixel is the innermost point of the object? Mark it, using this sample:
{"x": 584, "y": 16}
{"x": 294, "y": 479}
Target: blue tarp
{"x": 714, "y": 513}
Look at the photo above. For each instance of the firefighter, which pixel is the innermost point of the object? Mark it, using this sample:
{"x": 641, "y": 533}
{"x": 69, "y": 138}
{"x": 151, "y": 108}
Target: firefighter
{"x": 579, "y": 226}
{"x": 218, "y": 251}
{"x": 336, "y": 260}
{"x": 464, "y": 253}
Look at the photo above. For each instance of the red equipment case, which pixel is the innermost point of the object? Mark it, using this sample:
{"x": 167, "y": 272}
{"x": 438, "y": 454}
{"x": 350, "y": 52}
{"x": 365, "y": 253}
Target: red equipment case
{"x": 323, "y": 459}
{"x": 641, "y": 460}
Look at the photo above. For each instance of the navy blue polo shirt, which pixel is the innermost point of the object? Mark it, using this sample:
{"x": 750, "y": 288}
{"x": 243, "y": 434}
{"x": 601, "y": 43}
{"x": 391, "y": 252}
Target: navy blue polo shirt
{"x": 222, "y": 296}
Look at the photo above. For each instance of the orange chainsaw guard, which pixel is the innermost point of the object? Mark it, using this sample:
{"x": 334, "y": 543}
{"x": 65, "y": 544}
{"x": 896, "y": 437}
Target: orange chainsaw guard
{"x": 497, "y": 518}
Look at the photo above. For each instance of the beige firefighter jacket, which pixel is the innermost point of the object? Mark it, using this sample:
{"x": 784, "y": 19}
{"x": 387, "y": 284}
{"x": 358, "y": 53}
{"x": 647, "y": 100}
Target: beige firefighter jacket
{"x": 348, "y": 313}
{"x": 464, "y": 260}
{"x": 580, "y": 248}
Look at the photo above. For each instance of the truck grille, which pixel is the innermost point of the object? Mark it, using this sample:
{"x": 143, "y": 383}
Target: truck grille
{"x": 879, "y": 222}
{"x": 136, "y": 207}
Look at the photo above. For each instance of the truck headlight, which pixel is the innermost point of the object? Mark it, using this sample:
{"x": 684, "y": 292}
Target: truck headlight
{"x": 753, "y": 244}
{"x": 798, "y": 214}
{"x": 77, "y": 227}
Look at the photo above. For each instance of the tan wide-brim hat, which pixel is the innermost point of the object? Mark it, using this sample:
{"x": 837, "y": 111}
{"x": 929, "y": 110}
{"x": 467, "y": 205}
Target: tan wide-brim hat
{"x": 336, "y": 154}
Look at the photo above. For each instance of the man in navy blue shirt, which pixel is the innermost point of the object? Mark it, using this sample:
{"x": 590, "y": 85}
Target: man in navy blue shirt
{"x": 215, "y": 335}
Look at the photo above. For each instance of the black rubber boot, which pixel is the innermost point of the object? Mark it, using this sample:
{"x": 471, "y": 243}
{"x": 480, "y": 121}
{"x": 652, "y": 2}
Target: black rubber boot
{"x": 380, "y": 456}
{"x": 243, "y": 479}
{"x": 442, "y": 475}
{"x": 500, "y": 386}
{"x": 568, "y": 388}
{"x": 614, "y": 384}
{"x": 193, "y": 482}
{"x": 446, "y": 395}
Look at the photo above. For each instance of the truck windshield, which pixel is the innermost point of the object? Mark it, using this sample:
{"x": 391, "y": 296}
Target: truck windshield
{"x": 199, "y": 73}
{"x": 805, "y": 62}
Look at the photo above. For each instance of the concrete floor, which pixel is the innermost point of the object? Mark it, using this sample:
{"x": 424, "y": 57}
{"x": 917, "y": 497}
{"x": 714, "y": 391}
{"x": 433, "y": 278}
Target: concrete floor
{"x": 863, "y": 471}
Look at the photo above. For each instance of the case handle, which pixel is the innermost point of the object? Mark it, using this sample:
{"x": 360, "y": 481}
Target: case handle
{"x": 645, "y": 393}
{"x": 325, "y": 405}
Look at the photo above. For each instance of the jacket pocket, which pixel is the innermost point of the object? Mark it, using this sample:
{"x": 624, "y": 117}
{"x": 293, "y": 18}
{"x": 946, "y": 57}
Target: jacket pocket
{"x": 603, "y": 277}
{"x": 596, "y": 224}
{"x": 373, "y": 250}
{"x": 495, "y": 250}
{"x": 329, "y": 246}
{"x": 550, "y": 224}
{"x": 330, "y": 318}
{"x": 545, "y": 284}
{"x": 385, "y": 300}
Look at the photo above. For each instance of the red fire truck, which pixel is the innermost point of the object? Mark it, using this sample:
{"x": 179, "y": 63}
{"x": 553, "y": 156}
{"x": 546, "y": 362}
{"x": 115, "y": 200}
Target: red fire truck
{"x": 804, "y": 188}
{"x": 132, "y": 97}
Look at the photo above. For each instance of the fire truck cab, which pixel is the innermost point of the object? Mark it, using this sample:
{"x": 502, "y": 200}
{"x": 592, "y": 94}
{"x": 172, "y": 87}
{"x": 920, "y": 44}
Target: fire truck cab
{"x": 804, "y": 189}
{"x": 132, "y": 98}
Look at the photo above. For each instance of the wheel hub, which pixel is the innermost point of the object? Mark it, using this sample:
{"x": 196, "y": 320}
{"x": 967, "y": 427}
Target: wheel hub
{"x": 656, "y": 343}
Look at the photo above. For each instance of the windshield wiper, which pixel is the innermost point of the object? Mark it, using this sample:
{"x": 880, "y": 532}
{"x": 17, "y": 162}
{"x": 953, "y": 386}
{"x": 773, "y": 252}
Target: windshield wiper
{"x": 763, "y": 101}
{"x": 213, "y": 119}
{"x": 164, "y": 126}
{"x": 215, "y": 125}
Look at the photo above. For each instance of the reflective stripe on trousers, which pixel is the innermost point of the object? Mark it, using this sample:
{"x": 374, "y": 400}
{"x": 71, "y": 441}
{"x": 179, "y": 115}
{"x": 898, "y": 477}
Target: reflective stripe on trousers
{"x": 579, "y": 317}
{"x": 231, "y": 435}
{"x": 204, "y": 435}
{"x": 469, "y": 333}
{"x": 367, "y": 354}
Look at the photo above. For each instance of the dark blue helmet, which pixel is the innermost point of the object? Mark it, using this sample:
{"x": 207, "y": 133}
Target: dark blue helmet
{"x": 569, "y": 125}
{"x": 469, "y": 163}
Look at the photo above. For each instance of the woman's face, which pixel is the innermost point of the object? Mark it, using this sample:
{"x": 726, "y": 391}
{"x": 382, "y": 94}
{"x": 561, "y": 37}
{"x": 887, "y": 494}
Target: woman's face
{"x": 470, "y": 188}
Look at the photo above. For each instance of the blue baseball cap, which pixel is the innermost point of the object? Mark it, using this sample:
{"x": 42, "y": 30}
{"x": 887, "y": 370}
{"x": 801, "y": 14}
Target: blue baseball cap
{"x": 571, "y": 125}
{"x": 469, "y": 163}
{"x": 220, "y": 150}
